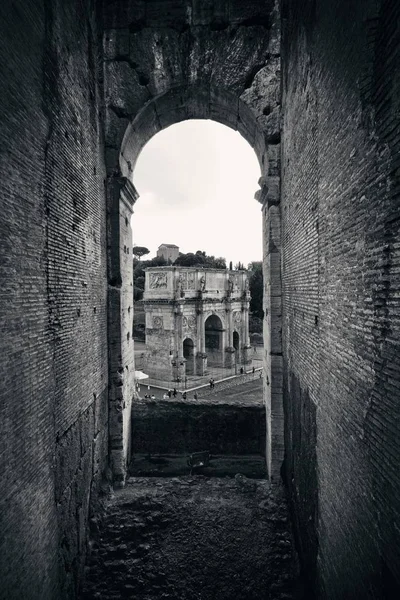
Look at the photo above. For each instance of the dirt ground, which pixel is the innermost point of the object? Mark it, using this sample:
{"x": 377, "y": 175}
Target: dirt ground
{"x": 194, "y": 538}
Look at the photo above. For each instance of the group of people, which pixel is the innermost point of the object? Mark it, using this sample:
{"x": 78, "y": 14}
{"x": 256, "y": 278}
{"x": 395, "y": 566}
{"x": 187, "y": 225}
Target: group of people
{"x": 174, "y": 392}
{"x": 171, "y": 394}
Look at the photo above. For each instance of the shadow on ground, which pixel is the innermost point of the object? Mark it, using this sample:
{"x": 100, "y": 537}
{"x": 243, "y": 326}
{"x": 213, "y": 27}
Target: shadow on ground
{"x": 194, "y": 538}
{"x": 174, "y": 465}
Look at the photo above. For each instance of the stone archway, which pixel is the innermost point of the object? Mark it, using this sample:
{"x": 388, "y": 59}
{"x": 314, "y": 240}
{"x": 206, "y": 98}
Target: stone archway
{"x": 188, "y": 355}
{"x": 236, "y": 345}
{"x": 217, "y": 62}
{"x": 213, "y": 334}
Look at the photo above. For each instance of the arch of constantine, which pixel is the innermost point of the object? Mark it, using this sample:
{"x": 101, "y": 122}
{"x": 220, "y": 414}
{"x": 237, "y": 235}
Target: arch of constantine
{"x": 195, "y": 318}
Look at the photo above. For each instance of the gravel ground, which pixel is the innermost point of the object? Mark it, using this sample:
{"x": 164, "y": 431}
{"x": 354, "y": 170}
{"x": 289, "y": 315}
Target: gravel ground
{"x": 188, "y": 538}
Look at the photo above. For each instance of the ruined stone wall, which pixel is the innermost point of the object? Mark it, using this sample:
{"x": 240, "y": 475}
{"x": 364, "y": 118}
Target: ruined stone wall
{"x": 178, "y": 428}
{"x": 340, "y": 218}
{"x": 53, "y": 306}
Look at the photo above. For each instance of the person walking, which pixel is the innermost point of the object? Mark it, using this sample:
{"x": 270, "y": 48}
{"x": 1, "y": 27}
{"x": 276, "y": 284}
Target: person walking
{"x": 174, "y": 393}
{"x": 184, "y": 396}
{"x": 195, "y": 395}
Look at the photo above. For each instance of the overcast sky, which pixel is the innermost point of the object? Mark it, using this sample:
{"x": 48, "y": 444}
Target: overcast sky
{"x": 196, "y": 182}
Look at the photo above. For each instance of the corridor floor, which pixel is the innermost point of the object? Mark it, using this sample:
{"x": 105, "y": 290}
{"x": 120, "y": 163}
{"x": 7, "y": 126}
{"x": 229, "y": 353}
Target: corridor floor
{"x": 194, "y": 537}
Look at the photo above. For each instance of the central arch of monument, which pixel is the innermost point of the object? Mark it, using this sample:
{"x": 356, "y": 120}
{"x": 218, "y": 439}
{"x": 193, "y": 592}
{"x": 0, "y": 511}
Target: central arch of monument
{"x": 221, "y": 64}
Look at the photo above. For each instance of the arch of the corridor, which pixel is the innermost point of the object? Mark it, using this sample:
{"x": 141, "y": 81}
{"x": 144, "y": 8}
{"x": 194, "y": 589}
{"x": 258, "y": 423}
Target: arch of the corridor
{"x": 191, "y": 102}
{"x": 178, "y": 104}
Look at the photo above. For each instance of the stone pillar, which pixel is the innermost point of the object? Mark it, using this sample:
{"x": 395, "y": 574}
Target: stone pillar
{"x": 180, "y": 366}
{"x": 246, "y": 337}
{"x": 223, "y": 344}
{"x": 121, "y": 196}
{"x": 229, "y": 317}
{"x": 201, "y": 356}
{"x": 229, "y": 349}
{"x": 201, "y": 363}
{"x": 230, "y": 355}
{"x": 269, "y": 197}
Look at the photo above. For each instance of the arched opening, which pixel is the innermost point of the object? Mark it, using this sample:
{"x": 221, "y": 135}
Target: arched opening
{"x": 191, "y": 102}
{"x": 214, "y": 342}
{"x": 236, "y": 342}
{"x": 192, "y": 202}
{"x": 188, "y": 355}
{"x": 182, "y": 104}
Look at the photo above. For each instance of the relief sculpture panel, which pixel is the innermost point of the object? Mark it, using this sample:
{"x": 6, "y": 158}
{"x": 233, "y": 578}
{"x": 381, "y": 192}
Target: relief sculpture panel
{"x": 191, "y": 281}
{"x": 158, "y": 322}
{"x": 158, "y": 281}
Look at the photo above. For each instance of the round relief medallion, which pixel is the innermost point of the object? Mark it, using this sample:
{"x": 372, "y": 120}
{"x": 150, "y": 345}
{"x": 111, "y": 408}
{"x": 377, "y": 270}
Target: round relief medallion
{"x": 157, "y": 322}
{"x": 184, "y": 321}
{"x": 238, "y": 317}
{"x": 192, "y": 322}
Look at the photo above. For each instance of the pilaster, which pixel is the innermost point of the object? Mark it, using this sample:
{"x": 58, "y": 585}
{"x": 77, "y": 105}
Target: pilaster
{"x": 121, "y": 196}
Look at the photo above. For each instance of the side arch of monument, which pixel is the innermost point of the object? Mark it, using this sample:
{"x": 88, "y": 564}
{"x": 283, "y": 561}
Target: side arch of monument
{"x": 202, "y": 73}
{"x": 189, "y": 354}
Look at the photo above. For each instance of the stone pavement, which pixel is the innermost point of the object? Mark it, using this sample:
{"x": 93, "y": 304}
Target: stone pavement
{"x": 245, "y": 390}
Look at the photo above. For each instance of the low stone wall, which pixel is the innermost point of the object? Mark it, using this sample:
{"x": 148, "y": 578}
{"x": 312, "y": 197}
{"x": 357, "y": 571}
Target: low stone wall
{"x": 168, "y": 427}
{"x": 227, "y": 383}
{"x": 204, "y": 389}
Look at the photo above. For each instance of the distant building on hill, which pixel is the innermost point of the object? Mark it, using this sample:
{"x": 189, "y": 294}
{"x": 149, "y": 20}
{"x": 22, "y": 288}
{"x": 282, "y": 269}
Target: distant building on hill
{"x": 168, "y": 251}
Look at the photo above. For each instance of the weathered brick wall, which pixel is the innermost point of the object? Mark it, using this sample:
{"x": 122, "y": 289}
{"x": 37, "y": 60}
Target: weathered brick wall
{"x": 53, "y": 306}
{"x": 340, "y": 213}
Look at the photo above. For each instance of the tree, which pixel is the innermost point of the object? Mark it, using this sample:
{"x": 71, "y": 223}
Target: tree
{"x": 189, "y": 260}
{"x": 239, "y": 266}
{"x": 219, "y": 262}
{"x": 256, "y": 286}
{"x": 200, "y": 259}
{"x": 140, "y": 251}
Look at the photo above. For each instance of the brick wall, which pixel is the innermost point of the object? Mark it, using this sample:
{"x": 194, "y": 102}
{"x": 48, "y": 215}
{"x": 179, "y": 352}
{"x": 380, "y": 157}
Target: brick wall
{"x": 53, "y": 307}
{"x": 340, "y": 218}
